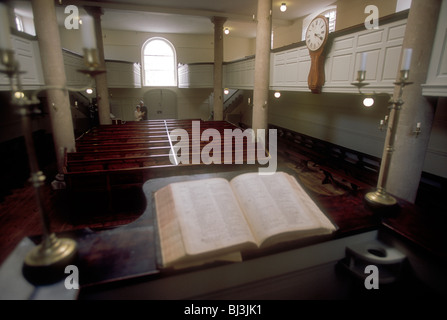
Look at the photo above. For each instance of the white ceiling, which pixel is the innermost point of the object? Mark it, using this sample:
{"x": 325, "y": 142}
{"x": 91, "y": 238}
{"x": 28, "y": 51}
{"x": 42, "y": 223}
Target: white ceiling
{"x": 186, "y": 16}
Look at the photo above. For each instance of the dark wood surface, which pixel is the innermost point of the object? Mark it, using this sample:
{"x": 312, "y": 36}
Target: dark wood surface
{"x": 127, "y": 250}
{"x": 423, "y": 228}
{"x": 111, "y": 256}
{"x": 348, "y": 211}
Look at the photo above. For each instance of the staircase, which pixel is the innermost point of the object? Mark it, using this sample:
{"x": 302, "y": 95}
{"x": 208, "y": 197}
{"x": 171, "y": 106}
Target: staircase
{"x": 232, "y": 100}
{"x": 81, "y": 113}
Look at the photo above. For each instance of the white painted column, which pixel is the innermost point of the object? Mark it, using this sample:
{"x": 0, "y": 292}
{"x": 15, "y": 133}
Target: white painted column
{"x": 102, "y": 89}
{"x": 218, "y": 61}
{"x": 410, "y": 149}
{"x": 262, "y": 65}
{"x": 47, "y": 30}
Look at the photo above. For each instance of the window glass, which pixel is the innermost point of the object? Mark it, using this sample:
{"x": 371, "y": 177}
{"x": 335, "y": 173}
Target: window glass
{"x": 19, "y": 24}
{"x": 159, "y": 63}
{"x": 330, "y": 13}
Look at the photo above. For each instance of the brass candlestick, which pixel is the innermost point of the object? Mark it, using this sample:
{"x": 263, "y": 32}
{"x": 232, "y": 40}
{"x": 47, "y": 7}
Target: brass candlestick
{"x": 380, "y": 198}
{"x": 47, "y": 261}
{"x": 361, "y": 76}
{"x": 91, "y": 60}
{"x": 53, "y": 253}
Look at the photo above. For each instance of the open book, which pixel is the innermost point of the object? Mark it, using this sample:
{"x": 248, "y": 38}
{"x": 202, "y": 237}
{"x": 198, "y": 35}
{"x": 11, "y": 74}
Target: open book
{"x": 203, "y": 219}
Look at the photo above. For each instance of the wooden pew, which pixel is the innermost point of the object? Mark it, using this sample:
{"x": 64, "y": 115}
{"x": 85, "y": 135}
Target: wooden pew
{"x": 119, "y": 159}
{"x": 114, "y": 160}
{"x": 118, "y": 139}
{"x": 122, "y": 153}
{"x": 359, "y": 169}
{"x": 119, "y": 146}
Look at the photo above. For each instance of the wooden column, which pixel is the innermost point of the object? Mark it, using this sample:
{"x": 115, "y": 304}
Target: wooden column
{"x": 409, "y": 148}
{"x": 262, "y": 65}
{"x": 102, "y": 89}
{"x": 218, "y": 60}
{"x": 47, "y": 30}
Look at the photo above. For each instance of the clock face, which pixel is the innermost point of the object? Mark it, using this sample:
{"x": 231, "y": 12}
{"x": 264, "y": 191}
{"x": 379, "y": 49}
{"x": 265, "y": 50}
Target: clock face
{"x": 316, "y": 33}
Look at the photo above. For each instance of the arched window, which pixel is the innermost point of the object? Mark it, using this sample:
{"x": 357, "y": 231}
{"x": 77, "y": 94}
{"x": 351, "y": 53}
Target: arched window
{"x": 331, "y": 14}
{"x": 159, "y": 63}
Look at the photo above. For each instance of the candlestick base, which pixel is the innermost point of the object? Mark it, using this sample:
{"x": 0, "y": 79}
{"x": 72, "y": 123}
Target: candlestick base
{"x": 380, "y": 199}
{"x": 92, "y": 72}
{"x": 360, "y": 80}
{"x": 359, "y": 84}
{"x": 47, "y": 261}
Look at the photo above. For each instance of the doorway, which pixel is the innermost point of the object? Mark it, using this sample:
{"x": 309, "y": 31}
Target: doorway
{"x": 161, "y": 104}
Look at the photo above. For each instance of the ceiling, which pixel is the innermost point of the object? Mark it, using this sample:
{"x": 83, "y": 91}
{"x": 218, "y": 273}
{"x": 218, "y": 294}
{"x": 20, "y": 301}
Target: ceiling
{"x": 186, "y": 16}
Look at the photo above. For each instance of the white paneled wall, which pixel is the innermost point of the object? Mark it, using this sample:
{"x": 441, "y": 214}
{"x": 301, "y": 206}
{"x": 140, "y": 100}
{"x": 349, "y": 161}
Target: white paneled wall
{"x": 196, "y": 75}
{"x": 74, "y": 62}
{"x": 28, "y": 56}
{"x": 437, "y": 73}
{"x": 240, "y": 74}
{"x": 123, "y": 74}
{"x": 119, "y": 74}
{"x": 290, "y": 68}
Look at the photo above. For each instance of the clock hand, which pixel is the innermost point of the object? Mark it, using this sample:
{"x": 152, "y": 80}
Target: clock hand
{"x": 317, "y": 35}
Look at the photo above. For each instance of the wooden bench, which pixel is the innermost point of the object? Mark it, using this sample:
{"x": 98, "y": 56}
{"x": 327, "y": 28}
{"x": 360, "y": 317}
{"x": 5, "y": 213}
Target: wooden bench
{"x": 118, "y": 146}
{"x": 89, "y": 161}
{"x": 121, "y": 153}
{"x": 113, "y": 162}
{"x": 160, "y": 126}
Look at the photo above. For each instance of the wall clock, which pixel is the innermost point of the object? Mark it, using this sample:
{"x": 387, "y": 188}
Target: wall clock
{"x": 316, "y": 37}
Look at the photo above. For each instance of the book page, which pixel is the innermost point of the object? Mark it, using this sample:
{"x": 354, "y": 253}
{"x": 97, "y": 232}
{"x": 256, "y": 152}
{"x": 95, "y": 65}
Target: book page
{"x": 169, "y": 231}
{"x": 228, "y": 257}
{"x": 209, "y": 216}
{"x": 276, "y": 204}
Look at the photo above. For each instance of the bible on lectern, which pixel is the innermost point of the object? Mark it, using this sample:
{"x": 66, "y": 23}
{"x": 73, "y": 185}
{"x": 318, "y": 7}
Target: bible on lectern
{"x": 204, "y": 220}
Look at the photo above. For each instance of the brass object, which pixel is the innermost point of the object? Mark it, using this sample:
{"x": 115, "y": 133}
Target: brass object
{"x": 52, "y": 252}
{"x": 47, "y": 261}
{"x": 361, "y": 76}
{"x": 44, "y": 263}
{"x": 8, "y": 61}
{"x": 380, "y": 198}
{"x": 91, "y": 60}
{"x": 418, "y": 130}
